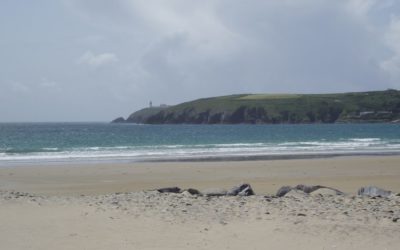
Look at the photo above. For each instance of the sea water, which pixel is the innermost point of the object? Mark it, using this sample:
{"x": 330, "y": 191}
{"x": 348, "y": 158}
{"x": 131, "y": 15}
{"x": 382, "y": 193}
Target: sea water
{"x": 26, "y": 143}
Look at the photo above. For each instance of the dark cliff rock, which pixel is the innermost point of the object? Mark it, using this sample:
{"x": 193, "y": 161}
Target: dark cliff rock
{"x": 119, "y": 120}
{"x": 377, "y": 106}
{"x": 145, "y": 115}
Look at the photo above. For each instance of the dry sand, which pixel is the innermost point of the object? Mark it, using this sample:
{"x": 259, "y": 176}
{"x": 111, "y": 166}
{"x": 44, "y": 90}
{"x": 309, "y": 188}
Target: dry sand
{"x": 75, "y": 206}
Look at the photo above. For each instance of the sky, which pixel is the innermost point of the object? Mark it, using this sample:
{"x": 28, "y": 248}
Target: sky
{"x": 95, "y": 60}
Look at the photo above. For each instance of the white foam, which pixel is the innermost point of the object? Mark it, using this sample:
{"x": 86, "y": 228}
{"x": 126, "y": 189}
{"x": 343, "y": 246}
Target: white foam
{"x": 51, "y": 149}
{"x": 353, "y": 145}
{"x": 365, "y": 139}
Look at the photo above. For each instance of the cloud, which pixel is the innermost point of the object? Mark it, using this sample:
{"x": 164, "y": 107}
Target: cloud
{"x": 221, "y": 47}
{"x": 392, "y": 39}
{"x": 199, "y": 22}
{"x": 19, "y": 87}
{"x": 94, "y": 60}
{"x": 48, "y": 84}
{"x": 178, "y": 50}
{"x": 360, "y": 8}
{"x": 208, "y": 43}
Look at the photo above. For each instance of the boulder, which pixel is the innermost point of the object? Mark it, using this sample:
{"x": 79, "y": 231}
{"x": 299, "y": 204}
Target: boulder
{"x": 193, "y": 191}
{"x": 241, "y": 190}
{"x": 283, "y": 190}
{"x": 373, "y": 191}
{"x": 306, "y": 189}
{"x": 169, "y": 190}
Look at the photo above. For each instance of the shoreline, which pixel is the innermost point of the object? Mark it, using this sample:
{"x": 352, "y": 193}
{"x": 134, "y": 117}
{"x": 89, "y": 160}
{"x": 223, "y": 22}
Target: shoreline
{"x": 213, "y": 158}
{"x": 300, "y": 156}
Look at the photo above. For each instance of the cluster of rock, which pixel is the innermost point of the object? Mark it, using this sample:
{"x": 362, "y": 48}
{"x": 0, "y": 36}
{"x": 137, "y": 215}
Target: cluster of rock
{"x": 246, "y": 190}
{"x": 373, "y": 191}
{"x": 308, "y": 189}
{"x": 241, "y": 190}
{"x": 371, "y": 205}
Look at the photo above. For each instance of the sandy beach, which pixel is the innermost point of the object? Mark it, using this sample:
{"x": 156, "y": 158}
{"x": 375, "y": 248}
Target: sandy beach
{"x": 104, "y": 206}
{"x": 346, "y": 173}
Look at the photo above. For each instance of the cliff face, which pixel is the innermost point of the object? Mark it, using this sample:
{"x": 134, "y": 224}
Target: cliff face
{"x": 144, "y": 115}
{"x": 243, "y": 114}
{"x": 378, "y": 106}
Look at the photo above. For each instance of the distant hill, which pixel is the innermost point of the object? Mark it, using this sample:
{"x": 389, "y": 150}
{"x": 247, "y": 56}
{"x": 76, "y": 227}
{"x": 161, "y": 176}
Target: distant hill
{"x": 374, "y": 106}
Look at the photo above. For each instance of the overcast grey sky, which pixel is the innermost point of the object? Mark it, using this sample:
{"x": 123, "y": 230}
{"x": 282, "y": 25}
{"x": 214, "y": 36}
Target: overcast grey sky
{"x": 94, "y": 60}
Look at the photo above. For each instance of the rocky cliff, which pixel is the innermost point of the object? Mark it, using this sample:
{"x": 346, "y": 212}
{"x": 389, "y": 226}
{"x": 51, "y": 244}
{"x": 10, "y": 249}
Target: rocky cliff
{"x": 376, "y": 106}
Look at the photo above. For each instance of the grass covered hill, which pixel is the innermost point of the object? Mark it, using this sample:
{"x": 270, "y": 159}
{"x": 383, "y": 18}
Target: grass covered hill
{"x": 374, "y": 106}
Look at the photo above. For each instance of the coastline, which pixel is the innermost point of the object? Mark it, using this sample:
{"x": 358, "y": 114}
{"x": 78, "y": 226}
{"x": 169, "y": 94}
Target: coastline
{"x": 268, "y": 157}
{"x": 197, "y": 158}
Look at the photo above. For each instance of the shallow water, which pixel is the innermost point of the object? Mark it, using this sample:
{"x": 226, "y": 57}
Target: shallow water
{"x": 97, "y": 142}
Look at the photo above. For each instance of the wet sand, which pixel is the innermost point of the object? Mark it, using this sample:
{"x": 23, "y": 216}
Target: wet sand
{"x": 345, "y": 173}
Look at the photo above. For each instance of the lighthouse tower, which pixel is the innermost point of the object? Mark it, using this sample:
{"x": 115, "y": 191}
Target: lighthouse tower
{"x": 150, "y": 104}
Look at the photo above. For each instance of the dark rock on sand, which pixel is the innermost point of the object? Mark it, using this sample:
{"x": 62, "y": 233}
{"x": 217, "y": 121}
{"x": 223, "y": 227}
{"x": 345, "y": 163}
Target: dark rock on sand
{"x": 283, "y": 190}
{"x": 242, "y": 190}
{"x": 306, "y": 189}
{"x": 193, "y": 191}
{"x": 169, "y": 190}
{"x": 374, "y": 191}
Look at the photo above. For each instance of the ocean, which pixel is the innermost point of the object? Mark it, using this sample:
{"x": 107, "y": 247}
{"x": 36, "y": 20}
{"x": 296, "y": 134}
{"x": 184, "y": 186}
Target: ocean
{"x": 42, "y": 143}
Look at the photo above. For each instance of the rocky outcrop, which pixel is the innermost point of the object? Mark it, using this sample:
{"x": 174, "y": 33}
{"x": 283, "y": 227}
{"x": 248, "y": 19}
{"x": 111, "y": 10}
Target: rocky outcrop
{"x": 193, "y": 191}
{"x": 283, "y": 190}
{"x": 242, "y": 114}
{"x": 169, "y": 190}
{"x": 241, "y": 190}
{"x": 306, "y": 189}
{"x": 373, "y": 191}
{"x": 119, "y": 120}
{"x": 376, "y": 106}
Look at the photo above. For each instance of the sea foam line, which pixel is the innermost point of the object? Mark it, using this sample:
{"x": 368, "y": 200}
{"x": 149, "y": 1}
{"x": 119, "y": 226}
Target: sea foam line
{"x": 353, "y": 145}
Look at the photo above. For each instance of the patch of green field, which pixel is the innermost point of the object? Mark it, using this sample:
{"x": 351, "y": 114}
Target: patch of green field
{"x": 268, "y": 96}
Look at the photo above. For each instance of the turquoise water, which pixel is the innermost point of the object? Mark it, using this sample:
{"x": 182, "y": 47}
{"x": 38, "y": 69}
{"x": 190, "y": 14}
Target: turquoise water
{"x": 66, "y": 142}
